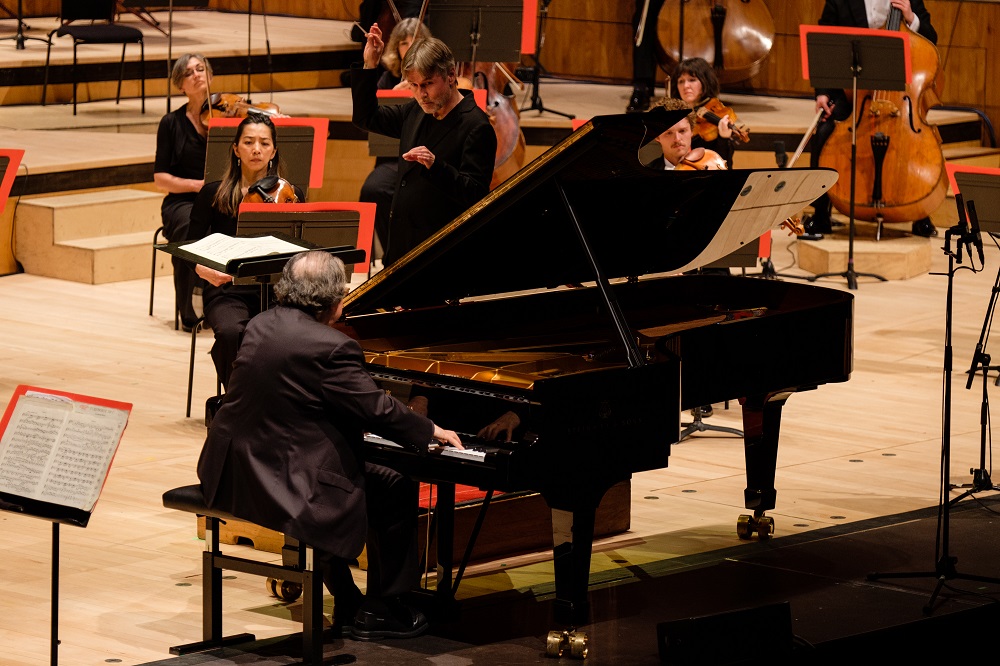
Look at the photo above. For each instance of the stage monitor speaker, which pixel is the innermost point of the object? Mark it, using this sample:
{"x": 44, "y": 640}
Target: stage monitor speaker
{"x": 735, "y": 637}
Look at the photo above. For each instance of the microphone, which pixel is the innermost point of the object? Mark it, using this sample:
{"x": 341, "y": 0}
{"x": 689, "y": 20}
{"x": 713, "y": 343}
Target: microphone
{"x": 977, "y": 233}
{"x": 962, "y": 228}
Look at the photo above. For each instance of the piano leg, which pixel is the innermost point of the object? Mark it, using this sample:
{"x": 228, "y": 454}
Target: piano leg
{"x": 572, "y": 543}
{"x": 761, "y": 426}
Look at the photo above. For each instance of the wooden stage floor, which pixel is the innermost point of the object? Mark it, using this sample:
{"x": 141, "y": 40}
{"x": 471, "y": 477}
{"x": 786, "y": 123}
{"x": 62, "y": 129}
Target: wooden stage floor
{"x": 850, "y": 453}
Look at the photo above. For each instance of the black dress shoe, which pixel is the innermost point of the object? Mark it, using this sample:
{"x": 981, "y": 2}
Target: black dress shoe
{"x": 391, "y": 619}
{"x": 639, "y": 101}
{"x": 345, "y": 610}
{"x": 816, "y": 224}
{"x": 924, "y": 228}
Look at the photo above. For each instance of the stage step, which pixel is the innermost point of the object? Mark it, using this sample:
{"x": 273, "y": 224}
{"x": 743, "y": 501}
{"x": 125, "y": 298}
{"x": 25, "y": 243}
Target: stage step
{"x": 897, "y": 256}
{"x": 981, "y": 156}
{"x": 90, "y": 237}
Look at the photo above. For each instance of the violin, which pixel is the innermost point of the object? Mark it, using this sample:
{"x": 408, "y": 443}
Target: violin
{"x": 710, "y": 113}
{"x": 229, "y": 105}
{"x": 702, "y": 159}
{"x": 271, "y": 189}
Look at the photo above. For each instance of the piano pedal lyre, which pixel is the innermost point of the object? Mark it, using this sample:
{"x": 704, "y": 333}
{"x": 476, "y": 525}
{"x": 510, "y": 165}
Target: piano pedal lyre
{"x": 285, "y": 590}
{"x": 567, "y": 643}
{"x": 747, "y": 525}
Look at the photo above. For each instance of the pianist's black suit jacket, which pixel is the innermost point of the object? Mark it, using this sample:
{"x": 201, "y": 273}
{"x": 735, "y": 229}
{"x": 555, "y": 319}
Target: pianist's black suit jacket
{"x": 285, "y": 450}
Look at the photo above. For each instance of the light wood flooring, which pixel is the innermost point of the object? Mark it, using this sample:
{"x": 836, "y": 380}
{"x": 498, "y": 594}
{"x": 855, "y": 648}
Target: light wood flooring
{"x": 131, "y": 580}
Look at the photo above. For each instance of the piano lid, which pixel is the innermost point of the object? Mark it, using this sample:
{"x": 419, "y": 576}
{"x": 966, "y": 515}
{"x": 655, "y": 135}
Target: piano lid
{"x": 635, "y": 220}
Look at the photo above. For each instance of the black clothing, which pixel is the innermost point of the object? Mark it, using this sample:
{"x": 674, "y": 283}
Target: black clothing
{"x": 380, "y": 185}
{"x": 464, "y": 146}
{"x": 180, "y": 152}
{"x": 227, "y": 308}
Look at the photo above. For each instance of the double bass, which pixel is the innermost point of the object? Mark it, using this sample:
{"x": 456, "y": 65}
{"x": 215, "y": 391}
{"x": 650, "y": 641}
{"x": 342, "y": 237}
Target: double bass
{"x": 505, "y": 117}
{"x": 733, "y": 35}
{"x": 900, "y": 173}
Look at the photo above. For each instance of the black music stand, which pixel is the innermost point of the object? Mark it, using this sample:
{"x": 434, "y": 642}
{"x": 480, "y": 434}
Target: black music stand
{"x": 479, "y": 30}
{"x": 846, "y": 57}
{"x": 537, "y": 69}
{"x": 76, "y": 437}
{"x": 302, "y": 145}
{"x": 20, "y": 37}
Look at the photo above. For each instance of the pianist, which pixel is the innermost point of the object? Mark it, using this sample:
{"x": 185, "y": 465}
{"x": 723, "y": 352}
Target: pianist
{"x": 286, "y": 451}
{"x": 446, "y": 161}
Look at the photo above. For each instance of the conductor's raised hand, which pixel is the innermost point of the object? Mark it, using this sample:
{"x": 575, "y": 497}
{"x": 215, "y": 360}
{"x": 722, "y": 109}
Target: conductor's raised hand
{"x": 374, "y": 46}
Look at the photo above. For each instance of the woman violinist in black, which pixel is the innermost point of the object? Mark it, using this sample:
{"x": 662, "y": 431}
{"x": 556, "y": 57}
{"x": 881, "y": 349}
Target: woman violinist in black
{"x": 698, "y": 86}
{"x": 229, "y": 307}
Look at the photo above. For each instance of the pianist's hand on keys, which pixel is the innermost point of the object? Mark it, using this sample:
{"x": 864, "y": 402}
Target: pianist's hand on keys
{"x": 447, "y": 437}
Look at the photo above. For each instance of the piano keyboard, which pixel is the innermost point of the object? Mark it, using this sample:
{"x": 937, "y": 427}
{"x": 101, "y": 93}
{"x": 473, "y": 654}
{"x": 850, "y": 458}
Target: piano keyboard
{"x": 475, "y": 448}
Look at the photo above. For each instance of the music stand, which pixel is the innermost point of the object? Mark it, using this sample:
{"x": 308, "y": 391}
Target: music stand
{"x": 20, "y": 37}
{"x": 69, "y": 441}
{"x": 479, "y": 30}
{"x": 834, "y": 57}
{"x": 537, "y": 69}
{"x": 301, "y": 144}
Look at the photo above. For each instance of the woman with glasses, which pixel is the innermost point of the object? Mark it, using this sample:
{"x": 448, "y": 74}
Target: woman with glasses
{"x": 179, "y": 167}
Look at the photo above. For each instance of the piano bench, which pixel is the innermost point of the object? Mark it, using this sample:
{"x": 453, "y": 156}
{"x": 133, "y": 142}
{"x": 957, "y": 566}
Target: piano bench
{"x": 296, "y": 569}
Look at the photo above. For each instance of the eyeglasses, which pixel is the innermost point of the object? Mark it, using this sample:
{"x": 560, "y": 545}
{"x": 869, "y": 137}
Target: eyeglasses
{"x": 188, "y": 73}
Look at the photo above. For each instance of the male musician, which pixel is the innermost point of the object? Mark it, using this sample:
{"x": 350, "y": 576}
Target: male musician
{"x": 675, "y": 143}
{"x": 447, "y": 144}
{"x": 286, "y": 451}
{"x": 834, "y": 102}
{"x": 644, "y": 65}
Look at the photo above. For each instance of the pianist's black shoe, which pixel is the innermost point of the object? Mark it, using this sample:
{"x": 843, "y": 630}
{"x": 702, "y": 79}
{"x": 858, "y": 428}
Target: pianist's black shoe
{"x": 924, "y": 228}
{"x": 389, "y": 618}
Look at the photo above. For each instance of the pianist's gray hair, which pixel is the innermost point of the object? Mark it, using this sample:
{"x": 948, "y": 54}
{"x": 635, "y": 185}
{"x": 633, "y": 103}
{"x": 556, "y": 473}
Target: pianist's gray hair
{"x": 312, "y": 281}
{"x": 429, "y": 57}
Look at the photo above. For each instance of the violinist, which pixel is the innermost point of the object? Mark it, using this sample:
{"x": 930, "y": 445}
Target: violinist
{"x": 229, "y": 307}
{"x": 676, "y": 144}
{"x": 380, "y": 184}
{"x": 447, "y": 144}
{"x": 834, "y": 102}
{"x": 698, "y": 85}
{"x": 179, "y": 168}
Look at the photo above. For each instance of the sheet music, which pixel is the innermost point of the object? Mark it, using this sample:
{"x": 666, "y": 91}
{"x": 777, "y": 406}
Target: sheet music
{"x": 58, "y": 450}
{"x": 220, "y": 248}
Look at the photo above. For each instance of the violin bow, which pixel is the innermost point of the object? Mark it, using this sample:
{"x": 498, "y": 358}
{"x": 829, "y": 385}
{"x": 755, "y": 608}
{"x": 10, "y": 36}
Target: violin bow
{"x": 805, "y": 138}
{"x": 641, "y": 28}
{"x": 395, "y": 12}
{"x": 420, "y": 19}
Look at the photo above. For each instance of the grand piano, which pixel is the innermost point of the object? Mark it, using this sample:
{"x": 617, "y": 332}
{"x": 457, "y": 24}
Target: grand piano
{"x": 558, "y": 298}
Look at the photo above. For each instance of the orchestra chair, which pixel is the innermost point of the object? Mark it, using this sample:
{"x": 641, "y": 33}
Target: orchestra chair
{"x": 194, "y": 342}
{"x": 102, "y": 29}
{"x": 295, "y": 571}
{"x": 152, "y": 280}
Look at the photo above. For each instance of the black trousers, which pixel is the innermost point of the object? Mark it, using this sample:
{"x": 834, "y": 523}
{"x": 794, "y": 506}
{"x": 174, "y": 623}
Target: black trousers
{"x": 841, "y": 111}
{"x": 393, "y": 564}
{"x": 227, "y": 311}
{"x": 644, "y": 55}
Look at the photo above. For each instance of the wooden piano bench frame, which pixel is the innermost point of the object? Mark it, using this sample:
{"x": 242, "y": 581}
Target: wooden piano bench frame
{"x": 297, "y": 567}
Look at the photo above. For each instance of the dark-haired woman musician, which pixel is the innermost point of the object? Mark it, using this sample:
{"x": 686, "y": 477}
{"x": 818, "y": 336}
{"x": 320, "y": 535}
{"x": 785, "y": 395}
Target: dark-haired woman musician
{"x": 229, "y": 307}
{"x": 179, "y": 167}
{"x": 696, "y": 84}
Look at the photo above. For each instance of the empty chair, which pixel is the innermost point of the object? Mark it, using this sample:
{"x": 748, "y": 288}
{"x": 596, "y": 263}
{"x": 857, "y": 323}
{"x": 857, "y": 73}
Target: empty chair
{"x": 101, "y": 30}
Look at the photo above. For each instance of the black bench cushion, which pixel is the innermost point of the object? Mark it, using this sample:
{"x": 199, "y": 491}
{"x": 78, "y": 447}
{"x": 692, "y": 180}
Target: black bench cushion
{"x": 191, "y": 499}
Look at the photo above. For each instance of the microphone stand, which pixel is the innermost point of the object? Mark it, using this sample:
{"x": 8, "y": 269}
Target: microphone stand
{"x": 981, "y": 480}
{"x": 944, "y": 569}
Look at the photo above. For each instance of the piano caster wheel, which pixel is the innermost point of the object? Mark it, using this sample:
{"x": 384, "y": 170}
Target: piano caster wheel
{"x": 567, "y": 643}
{"x": 747, "y": 525}
{"x": 285, "y": 590}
